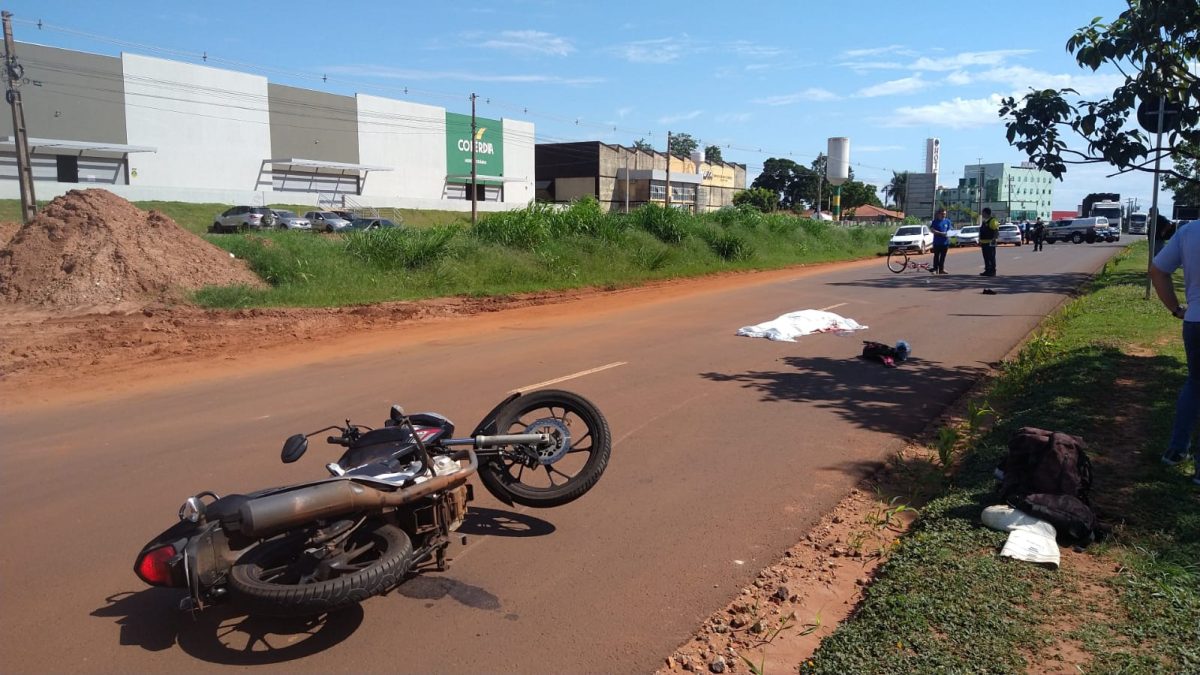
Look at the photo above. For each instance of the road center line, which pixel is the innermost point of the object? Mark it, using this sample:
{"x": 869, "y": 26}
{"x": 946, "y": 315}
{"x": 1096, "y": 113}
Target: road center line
{"x": 567, "y": 377}
{"x": 826, "y": 309}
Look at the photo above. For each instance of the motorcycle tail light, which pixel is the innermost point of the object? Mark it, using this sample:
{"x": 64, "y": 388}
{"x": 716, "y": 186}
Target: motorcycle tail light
{"x": 153, "y": 568}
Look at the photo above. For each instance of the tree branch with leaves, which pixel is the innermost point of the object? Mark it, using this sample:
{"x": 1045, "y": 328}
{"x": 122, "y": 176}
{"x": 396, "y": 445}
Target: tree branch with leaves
{"x": 1155, "y": 46}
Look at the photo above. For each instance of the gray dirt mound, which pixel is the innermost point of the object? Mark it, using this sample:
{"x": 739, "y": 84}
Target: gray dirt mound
{"x": 91, "y": 247}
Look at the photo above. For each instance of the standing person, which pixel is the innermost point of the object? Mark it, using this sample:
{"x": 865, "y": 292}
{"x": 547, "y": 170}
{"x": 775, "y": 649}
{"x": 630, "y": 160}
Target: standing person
{"x": 941, "y": 227}
{"x": 1039, "y": 234}
{"x": 989, "y": 230}
{"x": 1183, "y": 250}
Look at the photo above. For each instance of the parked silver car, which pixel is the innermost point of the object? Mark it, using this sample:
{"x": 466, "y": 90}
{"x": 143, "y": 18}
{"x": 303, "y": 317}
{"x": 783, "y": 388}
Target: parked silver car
{"x": 288, "y": 220}
{"x": 326, "y": 221}
{"x": 242, "y": 218}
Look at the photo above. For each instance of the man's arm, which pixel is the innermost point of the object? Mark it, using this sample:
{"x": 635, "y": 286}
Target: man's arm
{"x": 1165, "y": 289}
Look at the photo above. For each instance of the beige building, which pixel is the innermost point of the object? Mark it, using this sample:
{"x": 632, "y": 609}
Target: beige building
{"x": 618, "y": 176}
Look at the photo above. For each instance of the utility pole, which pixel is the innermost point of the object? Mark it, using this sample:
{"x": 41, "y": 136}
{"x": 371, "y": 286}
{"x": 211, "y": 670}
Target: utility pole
{"x": 668, "y": 169}
{"x": 1162, "y": 104}
{"x": 981, "y": 177}
{"x": 474, "y": 175}
{"x": 628, "y": 151}
{"x": 15, "y": 72}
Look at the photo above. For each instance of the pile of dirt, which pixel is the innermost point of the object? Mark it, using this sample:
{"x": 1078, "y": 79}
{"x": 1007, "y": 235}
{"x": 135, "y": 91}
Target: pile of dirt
{"x": 7, "y": 230}
{"x": 93, "y": 248}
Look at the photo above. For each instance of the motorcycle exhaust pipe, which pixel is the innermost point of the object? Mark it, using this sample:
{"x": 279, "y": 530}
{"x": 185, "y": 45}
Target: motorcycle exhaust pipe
{"x": 275, "y": 513}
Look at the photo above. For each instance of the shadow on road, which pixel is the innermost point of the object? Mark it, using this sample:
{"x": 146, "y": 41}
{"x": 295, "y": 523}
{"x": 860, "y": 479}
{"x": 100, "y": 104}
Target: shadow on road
{"x": 1057, "y": 283}
{"x": 151, "y": 619}
{"x": 864, "y": 393}
{"x": 496, "y": 523}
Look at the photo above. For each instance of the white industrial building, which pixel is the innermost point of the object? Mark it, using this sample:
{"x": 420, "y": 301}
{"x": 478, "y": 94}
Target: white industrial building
{"x": 154, "y": 129}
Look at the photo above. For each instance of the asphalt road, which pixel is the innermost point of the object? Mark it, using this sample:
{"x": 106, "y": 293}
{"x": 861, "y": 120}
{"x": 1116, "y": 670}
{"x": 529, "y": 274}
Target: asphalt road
{"x": 725, "y": 449}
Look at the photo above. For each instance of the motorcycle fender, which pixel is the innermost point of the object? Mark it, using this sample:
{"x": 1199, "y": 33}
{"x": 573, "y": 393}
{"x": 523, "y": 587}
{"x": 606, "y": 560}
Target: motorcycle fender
{"x": 207, "y": 559}
{"x": 487, "y": 426}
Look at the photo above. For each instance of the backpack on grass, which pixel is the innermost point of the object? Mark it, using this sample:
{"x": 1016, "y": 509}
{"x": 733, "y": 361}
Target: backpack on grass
{"x": 1048, "y": 475}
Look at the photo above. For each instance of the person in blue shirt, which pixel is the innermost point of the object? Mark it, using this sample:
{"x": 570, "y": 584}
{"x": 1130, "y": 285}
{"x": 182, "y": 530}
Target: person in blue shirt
{"x": 1183, "y": 250}
{"x": 941, "y": 227}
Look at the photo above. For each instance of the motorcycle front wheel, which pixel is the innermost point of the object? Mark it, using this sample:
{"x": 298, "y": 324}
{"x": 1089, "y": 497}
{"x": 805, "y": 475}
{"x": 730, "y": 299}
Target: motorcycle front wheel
{"x": 564, "y": 471}
{"x": 286, "y": 577}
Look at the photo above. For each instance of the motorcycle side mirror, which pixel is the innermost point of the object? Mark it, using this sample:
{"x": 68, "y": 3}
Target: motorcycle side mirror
{"x": 293, "y": 448}
{"x": 397, "y": 413}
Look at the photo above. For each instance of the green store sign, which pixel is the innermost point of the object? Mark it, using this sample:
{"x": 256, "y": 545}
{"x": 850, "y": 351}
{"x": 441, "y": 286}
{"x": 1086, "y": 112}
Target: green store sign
{"x": 488, "y": 141}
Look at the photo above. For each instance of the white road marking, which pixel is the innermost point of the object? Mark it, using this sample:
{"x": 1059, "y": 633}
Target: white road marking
{"x": 826, "y": 309}
{"x": 567, "y": 377}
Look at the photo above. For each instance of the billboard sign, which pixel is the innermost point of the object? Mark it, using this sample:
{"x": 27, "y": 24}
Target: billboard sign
{"x": 488, "y": 141}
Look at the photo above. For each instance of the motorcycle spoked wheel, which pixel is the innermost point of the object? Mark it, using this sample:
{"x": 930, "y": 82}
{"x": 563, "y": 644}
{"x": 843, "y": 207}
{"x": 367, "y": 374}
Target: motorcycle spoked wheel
{"x": 279, "y": 578}
{"x": 568, "y": 469}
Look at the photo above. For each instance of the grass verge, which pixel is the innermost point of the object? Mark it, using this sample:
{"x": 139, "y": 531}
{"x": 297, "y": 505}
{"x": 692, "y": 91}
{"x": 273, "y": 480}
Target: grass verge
{"x": 439, "y": 253}
{"x": 1106, "y": 367}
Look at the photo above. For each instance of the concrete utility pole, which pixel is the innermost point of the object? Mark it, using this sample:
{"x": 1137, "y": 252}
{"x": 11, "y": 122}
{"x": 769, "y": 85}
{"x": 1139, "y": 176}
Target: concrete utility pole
{"x": 20, "y": 138}
{"x": 474, "y": 176}
{"x": 668, "y": 169}
{"x": 981, "y": 177}
{"x": 628, "y": 151}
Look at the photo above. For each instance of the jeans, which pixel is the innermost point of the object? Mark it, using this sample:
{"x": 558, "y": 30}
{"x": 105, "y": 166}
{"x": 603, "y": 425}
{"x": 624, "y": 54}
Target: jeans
{"x": 989, "y": 258}
{"x": 939, "y": 258}
{"x": 1187, "y": 406}
{"x": 1037, "y": 243}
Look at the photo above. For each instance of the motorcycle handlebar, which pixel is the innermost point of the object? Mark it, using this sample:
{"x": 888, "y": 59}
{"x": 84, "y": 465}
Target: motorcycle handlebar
{"x": 337, "y": 440}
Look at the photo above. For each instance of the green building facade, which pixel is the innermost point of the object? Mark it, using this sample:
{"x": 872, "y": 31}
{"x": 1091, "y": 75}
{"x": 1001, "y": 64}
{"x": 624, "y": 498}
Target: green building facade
{"x": 1013, "y": 193}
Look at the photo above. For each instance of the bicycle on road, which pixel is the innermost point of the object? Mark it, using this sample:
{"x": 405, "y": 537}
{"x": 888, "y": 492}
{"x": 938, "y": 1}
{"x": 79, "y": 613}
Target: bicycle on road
{"x": 898, "y": 261}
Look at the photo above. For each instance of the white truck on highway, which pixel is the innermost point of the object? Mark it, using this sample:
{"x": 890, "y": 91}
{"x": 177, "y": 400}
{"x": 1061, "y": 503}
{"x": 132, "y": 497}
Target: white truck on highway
{"x": 1137, "y": 223}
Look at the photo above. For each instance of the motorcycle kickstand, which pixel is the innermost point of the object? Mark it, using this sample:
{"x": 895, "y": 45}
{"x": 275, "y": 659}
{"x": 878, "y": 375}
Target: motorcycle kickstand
{"x": 440, "y": 557}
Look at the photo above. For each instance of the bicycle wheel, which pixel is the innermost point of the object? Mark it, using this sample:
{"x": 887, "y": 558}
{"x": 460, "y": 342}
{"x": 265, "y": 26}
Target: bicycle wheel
{"x": 897, "y": 261}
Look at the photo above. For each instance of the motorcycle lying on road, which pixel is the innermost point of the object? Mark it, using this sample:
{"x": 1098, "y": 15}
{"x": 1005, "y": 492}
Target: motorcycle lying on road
{"x": 392, "y": 501}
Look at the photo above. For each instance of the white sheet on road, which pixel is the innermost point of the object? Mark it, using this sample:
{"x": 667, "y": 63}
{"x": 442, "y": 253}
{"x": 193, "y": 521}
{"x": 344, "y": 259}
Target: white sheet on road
{"x": 804, "y": 322}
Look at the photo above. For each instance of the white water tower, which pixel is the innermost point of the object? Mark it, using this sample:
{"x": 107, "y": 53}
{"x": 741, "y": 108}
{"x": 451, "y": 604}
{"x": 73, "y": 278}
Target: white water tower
{"x": 837, "y": 170}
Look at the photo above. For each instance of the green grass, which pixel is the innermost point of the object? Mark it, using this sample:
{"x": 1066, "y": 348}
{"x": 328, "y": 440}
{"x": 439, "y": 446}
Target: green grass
{"x": 946, "y": 602}
{"x": 534, "y": 249}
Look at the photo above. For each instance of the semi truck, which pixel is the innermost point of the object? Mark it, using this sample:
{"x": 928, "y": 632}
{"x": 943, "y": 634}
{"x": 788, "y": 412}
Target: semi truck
{"x": 1106, "y": 205}
{"x": 1137, "y": 223}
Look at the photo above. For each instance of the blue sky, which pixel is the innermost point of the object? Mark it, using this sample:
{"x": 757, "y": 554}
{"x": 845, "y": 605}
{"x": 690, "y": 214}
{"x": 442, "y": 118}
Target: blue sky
{"x": 761, "y": 79}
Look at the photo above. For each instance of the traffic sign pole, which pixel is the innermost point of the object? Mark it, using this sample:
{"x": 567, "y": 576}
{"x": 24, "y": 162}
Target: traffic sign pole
{"x": 1162, "y": 105}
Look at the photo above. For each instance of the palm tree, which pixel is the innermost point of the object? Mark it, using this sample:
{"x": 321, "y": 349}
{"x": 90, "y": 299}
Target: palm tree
{"x": 895, "y": 190}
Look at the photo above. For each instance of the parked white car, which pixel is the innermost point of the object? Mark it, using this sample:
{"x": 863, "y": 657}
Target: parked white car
{"x": 243, "y": 218}
{"x": 968, "y": 235}
{"x": 1009, "y": 233}
{"x": 917, "y": 238}
{"x": 326, "y": 221}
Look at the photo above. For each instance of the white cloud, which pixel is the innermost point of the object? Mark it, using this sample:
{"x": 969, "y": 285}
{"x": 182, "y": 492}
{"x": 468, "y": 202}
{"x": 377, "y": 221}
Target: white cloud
{"x": 682, "y": 117}
{"x": 937, "y": 64}
{"x": 622, "y": 113}
{"x": 963, "y": 59}
{"x": 754, "y": 50}
{"x": 734, "y": 118}
{"x": 808, "y": 95}
{"x": 1022, "y": 78}
{"x": 862, "y": 66}
{"x": 959, "y": 77}
{"x": 877, "y": 148}
{"x": 662, "y": 50}
{"x": 957, "y": 113}
{"x": 391, "y": 73}
{"x": 531, "y": 41}
{"x": 904, "y": 85}
{"x": 876, "y": 51}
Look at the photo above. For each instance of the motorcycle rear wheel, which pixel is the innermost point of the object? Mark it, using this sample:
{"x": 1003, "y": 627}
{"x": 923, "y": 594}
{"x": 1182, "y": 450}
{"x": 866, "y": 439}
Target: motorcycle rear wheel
{"x": 569, "y": 418}
{"x": 275, "y": 577}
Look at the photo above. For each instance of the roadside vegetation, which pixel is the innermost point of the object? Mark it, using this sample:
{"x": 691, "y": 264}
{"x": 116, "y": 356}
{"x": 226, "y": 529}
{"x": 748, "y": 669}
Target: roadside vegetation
{"x": 1106, "y": 367}
{"x": 539, "y": 248}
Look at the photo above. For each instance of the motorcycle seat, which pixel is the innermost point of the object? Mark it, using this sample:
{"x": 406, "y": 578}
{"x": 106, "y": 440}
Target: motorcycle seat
{"x": 227, "y": 509}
